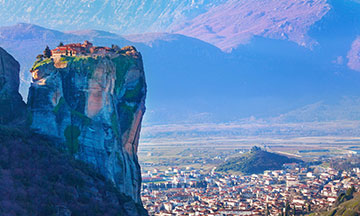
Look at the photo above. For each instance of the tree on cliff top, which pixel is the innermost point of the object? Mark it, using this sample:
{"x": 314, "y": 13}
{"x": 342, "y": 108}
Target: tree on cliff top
{"x": 39, "y": 57}
{"x": 47, "y": 52}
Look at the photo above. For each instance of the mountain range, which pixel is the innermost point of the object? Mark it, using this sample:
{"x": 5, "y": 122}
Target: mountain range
{"x": 235, "y": 22}
{"x": 123, "y": 17}
{"x": 293, "y": 55}
{"x": 223, "y": 23}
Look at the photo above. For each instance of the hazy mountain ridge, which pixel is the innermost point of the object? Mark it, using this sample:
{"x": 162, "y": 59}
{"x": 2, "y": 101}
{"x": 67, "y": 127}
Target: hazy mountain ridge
{"x": 346, "y": 108}
{"x": 224, "y": 23}
{"x": 235, "y": 22}
{"x": 123, "y": 17}
{"x": 194, "y": 81}
{"x": 25, "y": 41}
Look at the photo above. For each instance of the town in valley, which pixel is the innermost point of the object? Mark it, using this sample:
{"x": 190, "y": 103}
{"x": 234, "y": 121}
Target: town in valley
{"x": 295, "y": 190}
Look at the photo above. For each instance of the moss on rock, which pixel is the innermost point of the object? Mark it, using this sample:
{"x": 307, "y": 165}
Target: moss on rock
{"x": 134, "y": 94}
{"x": 72, "y": 134}
{"x": 115, "y": 124}
{"x": 40, "y": 63}
{"x": 122, "y": 65}
{"x": 59, "y": 105}
{"x": 87, "y": 64}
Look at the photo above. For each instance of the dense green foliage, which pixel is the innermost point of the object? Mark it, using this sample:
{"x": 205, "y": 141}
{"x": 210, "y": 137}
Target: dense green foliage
{"x": 81, "y": 63}
{"x": 122, "y": 65}
{"x": 83, "y": 59}
{"x": 41, "y": 62}
{"x": 47, "y": 52}
{"x": 256, "y": 161}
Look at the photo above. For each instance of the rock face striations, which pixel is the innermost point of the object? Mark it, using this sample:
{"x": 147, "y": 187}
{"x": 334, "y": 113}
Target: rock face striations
{"x": 92, "y": 105}
{"x": 11, "y": 105}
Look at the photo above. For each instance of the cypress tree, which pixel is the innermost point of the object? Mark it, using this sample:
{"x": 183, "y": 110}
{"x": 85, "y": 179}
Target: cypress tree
{"x": 47, "y": 52}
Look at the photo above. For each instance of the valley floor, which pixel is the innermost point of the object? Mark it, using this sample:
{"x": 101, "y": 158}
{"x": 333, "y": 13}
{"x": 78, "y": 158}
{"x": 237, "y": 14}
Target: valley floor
{"x": 178, "y": 164}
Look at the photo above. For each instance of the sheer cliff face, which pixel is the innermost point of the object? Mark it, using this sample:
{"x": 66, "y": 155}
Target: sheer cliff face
{"x": 11, "y": 105}
{"x": 93, "y": 107}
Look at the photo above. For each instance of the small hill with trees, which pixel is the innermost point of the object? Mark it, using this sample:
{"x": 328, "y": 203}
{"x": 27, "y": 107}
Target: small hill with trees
{"x": 256, "y": 161}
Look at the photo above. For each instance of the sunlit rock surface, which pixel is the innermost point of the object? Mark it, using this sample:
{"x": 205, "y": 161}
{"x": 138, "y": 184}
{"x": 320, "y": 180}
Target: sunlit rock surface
{"x": 93, "y": 107}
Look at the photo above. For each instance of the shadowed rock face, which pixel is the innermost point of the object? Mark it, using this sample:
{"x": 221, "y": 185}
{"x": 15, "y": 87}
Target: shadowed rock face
{"x": 11, "y": 105}
{"x": 93, "y": 107}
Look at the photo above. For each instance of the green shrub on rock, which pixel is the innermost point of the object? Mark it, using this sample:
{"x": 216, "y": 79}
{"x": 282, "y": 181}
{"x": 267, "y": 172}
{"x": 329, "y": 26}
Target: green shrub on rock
{"x": 72, "y": 134}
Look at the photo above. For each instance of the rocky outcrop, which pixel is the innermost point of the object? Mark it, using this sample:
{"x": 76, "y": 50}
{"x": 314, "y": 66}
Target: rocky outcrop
{"x": 12, "y": 106}
{"x": 37, "y": 179}
{"x": 93, "y": 107}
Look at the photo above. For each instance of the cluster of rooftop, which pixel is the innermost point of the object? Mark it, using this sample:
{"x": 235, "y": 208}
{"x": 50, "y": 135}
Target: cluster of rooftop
{"x": 295, "y": 189}
{"x": 76, "y": 49}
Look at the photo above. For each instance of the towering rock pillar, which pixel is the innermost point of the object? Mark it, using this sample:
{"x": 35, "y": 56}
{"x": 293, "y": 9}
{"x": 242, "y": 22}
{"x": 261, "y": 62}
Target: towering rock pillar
{"x": 12, "y": 106}
{"x": 93, "y": 105}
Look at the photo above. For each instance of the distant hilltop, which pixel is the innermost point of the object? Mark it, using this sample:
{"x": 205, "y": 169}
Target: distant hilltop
{"x": 256, "y": 161}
